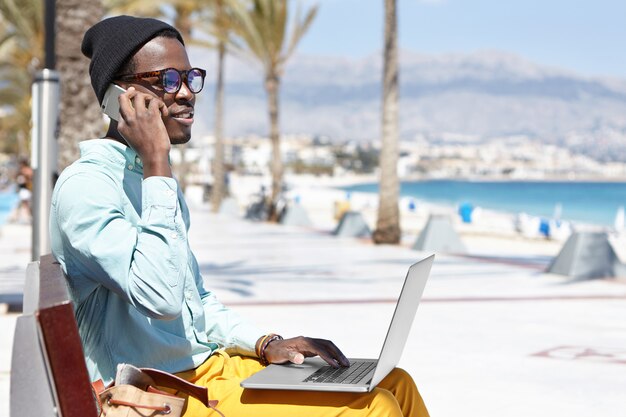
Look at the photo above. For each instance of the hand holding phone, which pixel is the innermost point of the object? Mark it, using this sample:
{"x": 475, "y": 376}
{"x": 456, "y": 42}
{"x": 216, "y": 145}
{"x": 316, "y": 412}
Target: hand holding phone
{"x": 111, "y": 103}
{"x": 141, "y": 125}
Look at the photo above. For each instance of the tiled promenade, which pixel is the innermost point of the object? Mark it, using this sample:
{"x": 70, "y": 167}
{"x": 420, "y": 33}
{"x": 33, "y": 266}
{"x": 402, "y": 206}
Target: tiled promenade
{"x": 492, "y": 338}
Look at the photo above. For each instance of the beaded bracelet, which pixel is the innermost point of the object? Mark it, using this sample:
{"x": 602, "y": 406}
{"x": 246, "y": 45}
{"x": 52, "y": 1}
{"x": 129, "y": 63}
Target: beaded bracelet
{"x": 264, "y": 344}
{"x": 260, "y": 344}
{"x": 257, "y": 348}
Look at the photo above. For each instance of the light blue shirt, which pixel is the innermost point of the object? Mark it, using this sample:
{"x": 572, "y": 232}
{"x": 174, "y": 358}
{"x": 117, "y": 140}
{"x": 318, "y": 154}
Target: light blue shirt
{"x": 137, "y": 290}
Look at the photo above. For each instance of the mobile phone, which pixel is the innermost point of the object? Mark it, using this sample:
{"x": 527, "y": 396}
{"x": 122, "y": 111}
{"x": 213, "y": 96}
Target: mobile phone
{"x": 111, "y": 103}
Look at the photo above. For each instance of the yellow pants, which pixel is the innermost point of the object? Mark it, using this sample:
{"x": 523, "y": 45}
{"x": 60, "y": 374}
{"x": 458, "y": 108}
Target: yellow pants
{"x": 396, "y": 395}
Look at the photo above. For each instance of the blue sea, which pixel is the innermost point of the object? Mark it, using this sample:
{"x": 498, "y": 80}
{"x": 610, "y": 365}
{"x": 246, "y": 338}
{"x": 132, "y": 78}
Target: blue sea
{"x": 8, "y": 201}
{"x": 586, "y": 202}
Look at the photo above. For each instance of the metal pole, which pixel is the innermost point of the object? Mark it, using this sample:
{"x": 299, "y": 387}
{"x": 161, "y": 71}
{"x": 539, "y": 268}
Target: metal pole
{"x": 44, "y": 155}
{"x": 50, "y": 31}
{"x": 45, "y": 114}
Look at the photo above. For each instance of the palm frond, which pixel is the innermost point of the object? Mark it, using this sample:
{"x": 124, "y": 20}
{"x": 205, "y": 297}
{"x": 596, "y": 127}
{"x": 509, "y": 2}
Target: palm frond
{"x": 146, "y": 8}
{"x": 21, "y": 53}
{"x": 6, "y": 38}
{"x": 246, "y": 28}
{"x": 299, "y": 29}
{"x": 262, "y": 26}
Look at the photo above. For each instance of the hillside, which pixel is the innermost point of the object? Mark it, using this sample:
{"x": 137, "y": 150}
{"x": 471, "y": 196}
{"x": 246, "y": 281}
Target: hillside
{"x": 472, "y": 97}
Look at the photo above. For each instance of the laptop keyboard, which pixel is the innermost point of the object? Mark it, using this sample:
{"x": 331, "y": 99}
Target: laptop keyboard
{"x": 351, "y": 375}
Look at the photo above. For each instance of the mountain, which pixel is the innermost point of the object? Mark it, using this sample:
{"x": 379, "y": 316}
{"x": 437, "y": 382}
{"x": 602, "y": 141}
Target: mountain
{"x": 471, "y": 97}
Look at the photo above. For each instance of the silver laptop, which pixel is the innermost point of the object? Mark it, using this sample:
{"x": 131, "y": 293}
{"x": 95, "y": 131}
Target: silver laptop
{"x": 363, "y": 374}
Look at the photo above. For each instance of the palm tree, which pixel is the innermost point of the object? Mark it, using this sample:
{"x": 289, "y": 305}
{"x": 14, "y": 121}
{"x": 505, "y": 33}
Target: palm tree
{"x": 15, "y": 110}
{"x": 183, "y": 22}
{"x": 388, "y": 222}
{"x": 80, "y": 116}
{"x": 217, "y": 20}
{"x": 263, "y": 29}
{"x": 21, "y": 56}
{"x": 218, "y": 191}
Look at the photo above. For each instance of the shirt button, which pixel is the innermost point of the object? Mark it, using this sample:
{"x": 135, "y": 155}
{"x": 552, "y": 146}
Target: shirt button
{"x": 131, "y": 167}
{"x": 174, "y": 236}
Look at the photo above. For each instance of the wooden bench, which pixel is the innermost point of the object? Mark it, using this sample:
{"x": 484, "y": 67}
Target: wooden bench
{"x": 48, "y": 372}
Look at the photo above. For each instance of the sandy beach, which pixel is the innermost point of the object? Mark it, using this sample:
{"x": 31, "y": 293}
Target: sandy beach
{"x": 490, "y": 233}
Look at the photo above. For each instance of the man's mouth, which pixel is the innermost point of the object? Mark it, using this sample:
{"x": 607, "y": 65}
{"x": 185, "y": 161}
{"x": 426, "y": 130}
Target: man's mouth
{"x": 185, "y": 117}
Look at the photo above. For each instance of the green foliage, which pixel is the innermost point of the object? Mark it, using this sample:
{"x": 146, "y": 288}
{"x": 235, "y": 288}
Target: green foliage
{"x": 21, "y": 55}
{"x": 144, "y": 8}
{"x": 262, "y": 26}
{"x": 363, "y": 160}
{"x": 302, "y": 167}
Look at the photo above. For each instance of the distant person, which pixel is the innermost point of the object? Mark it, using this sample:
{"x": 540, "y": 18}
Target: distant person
{"x": 119, "y": 225}
{"x": 342, "y": 206}
{"x": 24, "y": 182}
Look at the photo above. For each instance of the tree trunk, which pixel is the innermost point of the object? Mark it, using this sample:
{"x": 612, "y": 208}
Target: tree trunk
{"x": 272, "y": 87}
{"x": 388, "y": 223}
{"x": 80, "y": 116}
{"x": 217, "y": 192}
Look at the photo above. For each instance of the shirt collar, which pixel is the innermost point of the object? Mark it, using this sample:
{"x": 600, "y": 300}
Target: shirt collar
{"x": 116, "y": 151}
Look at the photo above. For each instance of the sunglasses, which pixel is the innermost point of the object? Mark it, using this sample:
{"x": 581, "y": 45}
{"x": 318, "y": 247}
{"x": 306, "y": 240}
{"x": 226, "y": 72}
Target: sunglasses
{"x": 172, "y": 79}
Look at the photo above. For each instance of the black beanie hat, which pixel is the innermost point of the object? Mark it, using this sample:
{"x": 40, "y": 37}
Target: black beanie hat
{"x": 111, "y": 42}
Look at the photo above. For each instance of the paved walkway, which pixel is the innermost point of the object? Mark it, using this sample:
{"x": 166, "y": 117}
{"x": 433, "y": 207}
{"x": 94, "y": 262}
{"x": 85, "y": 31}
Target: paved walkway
{"x": 493, "y": 336}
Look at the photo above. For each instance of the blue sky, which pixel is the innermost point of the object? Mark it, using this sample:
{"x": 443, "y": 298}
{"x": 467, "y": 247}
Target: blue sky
{"x": 584, "y": 36}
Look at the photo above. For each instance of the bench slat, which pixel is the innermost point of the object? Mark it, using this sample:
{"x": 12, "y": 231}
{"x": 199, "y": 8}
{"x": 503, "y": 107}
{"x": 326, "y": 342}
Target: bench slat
{"x": 52, "y": 284}
{"x": 67, "y": 362}
{"x": 63, "y": 345}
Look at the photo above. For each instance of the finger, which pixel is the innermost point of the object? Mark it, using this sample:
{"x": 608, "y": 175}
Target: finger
{"x": 296, "y": 357}
{"x": 156, "y": 106}
{"x": 126, "y": 106}
{"x": 280, "y": 351}
{"x": 163, "y": 108}
{"x": 141, "y": 102}
{"x": 316, "y": 348}
{"x": 329, "y": 359}
{"x": 330, "y": 353}
{"x": 336, "y": 353}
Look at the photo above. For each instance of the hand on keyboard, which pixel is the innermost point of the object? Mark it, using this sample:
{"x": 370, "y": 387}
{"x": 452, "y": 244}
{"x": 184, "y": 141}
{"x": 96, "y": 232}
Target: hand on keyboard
{"x": 296, "y": 349}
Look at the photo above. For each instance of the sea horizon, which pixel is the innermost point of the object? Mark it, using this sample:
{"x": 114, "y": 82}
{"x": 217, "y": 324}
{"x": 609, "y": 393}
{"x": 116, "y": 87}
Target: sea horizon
{"x": 587, "y": 201}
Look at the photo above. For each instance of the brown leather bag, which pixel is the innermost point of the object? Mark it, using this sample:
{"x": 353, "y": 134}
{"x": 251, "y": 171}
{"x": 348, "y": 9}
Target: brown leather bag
{"x": 134, "y": 394}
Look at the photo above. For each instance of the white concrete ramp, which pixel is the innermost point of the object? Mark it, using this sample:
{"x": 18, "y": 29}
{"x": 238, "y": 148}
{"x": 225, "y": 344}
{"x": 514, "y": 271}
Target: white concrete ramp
{"x": 439, "y": 236}
{"x": 586, "y": 255}
{"x": 352, "y": 224}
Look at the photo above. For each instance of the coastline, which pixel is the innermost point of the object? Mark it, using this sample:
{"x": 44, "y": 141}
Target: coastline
{"x": 491, "y": 232}
{"x": 586, "y": 204}
{"x": 555, "y": 178}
